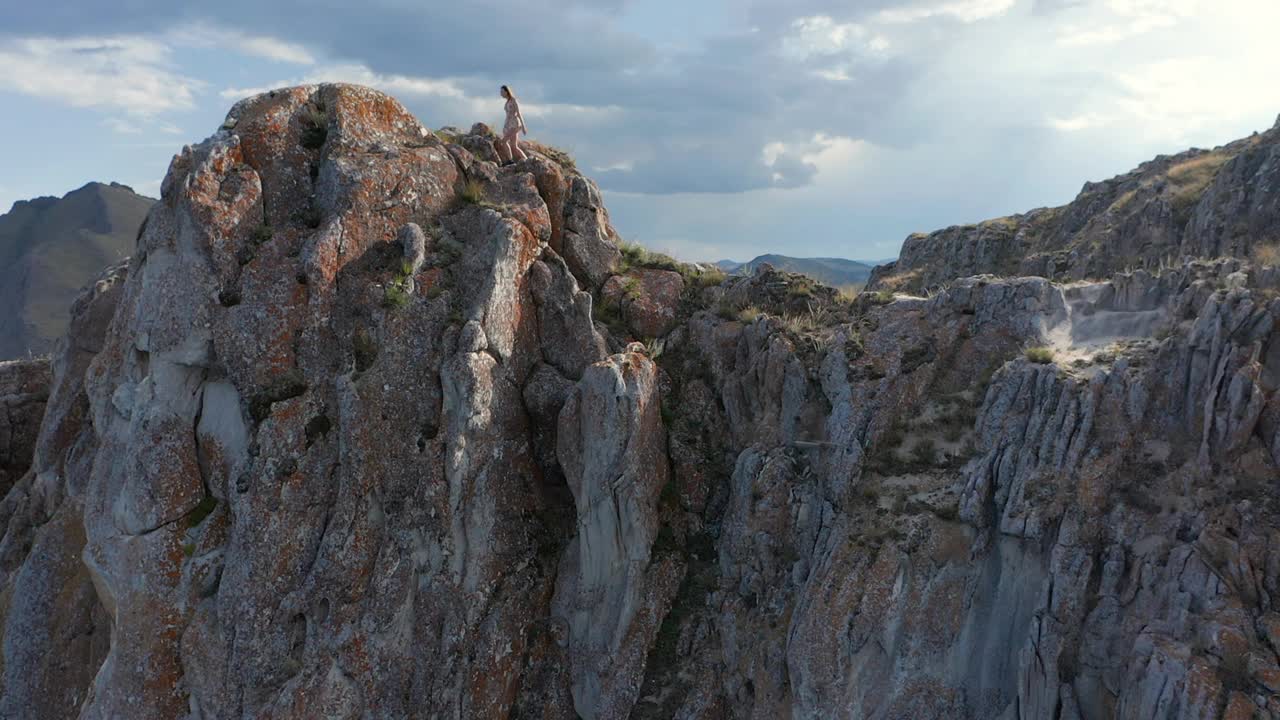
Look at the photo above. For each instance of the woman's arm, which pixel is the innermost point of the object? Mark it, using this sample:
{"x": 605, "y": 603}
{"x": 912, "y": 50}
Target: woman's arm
{"x": 520, "y": 117}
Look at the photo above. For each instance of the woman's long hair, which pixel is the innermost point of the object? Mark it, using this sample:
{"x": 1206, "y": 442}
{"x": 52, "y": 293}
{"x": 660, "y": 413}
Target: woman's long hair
{"x": 506, "y": 89}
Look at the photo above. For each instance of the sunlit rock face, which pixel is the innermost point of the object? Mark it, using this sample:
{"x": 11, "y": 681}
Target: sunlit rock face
{"x": 372, "y": 427}
{"x": 1196, "y": 204}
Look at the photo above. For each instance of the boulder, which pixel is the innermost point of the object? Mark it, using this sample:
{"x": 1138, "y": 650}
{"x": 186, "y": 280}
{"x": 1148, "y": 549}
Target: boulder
{"x": 648, "y": 300}
{"x": 590, "y": 244}
{"x": 569, "y": 339}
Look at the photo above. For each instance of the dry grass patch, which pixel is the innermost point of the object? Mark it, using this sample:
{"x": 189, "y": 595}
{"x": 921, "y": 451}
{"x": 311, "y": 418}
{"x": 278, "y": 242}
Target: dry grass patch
{"x": 1199, "y": 170}
{"x": 1124, "y": 201}
{"x": 1267, "y": 254}
{"x": 899, "y": 282}
{"x": 555, "y": 154}
{"x": 1007, "y": 223}
{"x": 1190, "y": 179}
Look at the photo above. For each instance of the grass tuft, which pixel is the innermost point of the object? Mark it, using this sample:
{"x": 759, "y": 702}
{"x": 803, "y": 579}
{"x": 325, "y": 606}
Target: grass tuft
{"x": 631, "y": 288}
{"x": 1039, "y": 355}
{"x": 472, "y": 193}
{"x": 395, "y": 296}
{"x": 880, "y": 297}
{"x": 925, "y": 452}
{"x": 315, "y": 127}
{"x": 698, "y": 278}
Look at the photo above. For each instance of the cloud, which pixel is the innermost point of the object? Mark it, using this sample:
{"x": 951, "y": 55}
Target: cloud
{"x": 819, "y": 35}
{"x": 444, "y": 97}
{"x": 1114, "y": 20}
{"x": 546, "y": 40}
{"x": 204, "y": 34}
{"x": 121, "y": 126}
{"x": 1076, "y": 122}
{"x": 359, "y": 74}
{"x": 125, "y": 73}
{"x": 680, "y": 119}
{"x": 827, "y": 123}
{"x": 1175, "y": 99}
{"x": 967, "y": 11}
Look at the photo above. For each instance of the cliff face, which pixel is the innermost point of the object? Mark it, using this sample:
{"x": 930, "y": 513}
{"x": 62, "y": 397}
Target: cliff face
{"x": 24, "y": 387}
{"x": 362, "y": 431}
{"x": 49, "y": 249}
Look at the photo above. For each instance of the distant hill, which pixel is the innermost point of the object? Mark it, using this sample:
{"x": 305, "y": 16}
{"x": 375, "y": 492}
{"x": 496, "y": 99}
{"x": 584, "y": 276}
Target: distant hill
{"x": 49, "y": 249}
{"x": 837, "y": 272}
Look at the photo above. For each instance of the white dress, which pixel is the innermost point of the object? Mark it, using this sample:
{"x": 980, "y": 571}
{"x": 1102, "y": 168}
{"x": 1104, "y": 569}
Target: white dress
{"x": 514, "y": 121}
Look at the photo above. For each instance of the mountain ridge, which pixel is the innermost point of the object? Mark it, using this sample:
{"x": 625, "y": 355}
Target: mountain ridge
{"x": 837, "y": 272}
{"x": 49, "y": 248}
{"x": 1196, "y": 203}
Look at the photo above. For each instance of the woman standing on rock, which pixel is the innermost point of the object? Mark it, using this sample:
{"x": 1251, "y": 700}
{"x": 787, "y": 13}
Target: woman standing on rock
{"x": 509, "y": 146}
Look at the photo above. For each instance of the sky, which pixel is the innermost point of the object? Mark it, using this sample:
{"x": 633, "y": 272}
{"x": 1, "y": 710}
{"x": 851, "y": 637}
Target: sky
{"x": 717, "y": 129}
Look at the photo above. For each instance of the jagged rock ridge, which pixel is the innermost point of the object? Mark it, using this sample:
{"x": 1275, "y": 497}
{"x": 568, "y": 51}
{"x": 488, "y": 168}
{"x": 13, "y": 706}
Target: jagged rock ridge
{"x": 1196, "y": 204}
{"x": 364, "y": 431}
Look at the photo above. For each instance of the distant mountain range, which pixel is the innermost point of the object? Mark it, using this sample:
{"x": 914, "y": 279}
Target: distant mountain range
{"x": 837, "y": 272}
{"x": 49, "y": 249}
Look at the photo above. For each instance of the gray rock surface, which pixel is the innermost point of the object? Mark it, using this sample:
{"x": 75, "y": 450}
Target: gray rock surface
{"x": 264, "y": 487}
{"x": 611, "y": 591}
{"x": 56, "y": 630}
{"x": 24, "y": 388}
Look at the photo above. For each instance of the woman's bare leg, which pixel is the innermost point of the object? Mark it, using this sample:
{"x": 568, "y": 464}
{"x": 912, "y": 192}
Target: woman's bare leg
{"x": 513, "y": 142}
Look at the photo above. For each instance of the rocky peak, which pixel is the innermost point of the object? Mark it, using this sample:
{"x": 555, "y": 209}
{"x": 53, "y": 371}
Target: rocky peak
{"x": 371, "y": 426}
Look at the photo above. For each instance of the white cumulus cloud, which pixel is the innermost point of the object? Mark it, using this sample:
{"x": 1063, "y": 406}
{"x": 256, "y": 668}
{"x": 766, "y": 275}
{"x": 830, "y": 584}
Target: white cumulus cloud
{"x": 131, "y": 74}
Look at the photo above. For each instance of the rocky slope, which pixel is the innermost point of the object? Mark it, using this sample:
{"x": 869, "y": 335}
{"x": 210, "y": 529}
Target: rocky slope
{"x": 364, "y": 430}
{"x": 1200, "y": 203}
{"x": 49, "y": 249}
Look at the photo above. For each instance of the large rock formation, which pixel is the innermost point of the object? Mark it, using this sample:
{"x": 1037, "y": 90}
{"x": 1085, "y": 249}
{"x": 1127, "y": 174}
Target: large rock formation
{"x": 49, "y": 249}
{"x": 364, "y": 431}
